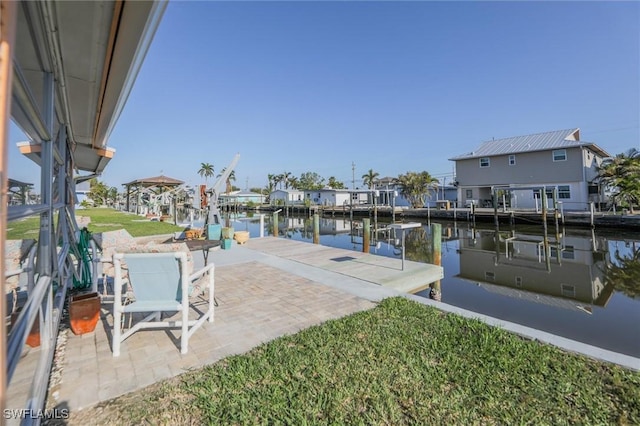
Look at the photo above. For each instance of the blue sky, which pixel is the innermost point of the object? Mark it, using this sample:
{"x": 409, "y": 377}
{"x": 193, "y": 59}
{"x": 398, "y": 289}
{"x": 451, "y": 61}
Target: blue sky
{"x": 391, "y": 86}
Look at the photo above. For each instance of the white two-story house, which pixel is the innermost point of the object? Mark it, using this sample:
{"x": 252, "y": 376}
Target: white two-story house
{"x": 525, "y": 165}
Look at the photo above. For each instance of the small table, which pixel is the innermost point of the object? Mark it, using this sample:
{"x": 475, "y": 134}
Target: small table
{"x": 203, "y": 245}
{"x": 402, "y": 227}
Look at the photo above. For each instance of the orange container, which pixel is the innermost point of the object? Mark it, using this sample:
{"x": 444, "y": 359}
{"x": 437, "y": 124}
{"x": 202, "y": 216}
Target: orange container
{"x": 84, "y": 312}
{"x": 33, "y": 339}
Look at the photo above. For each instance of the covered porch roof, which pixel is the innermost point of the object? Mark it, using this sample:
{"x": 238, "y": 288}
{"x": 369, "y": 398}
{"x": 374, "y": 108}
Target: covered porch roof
{"x": 85, "y": 57}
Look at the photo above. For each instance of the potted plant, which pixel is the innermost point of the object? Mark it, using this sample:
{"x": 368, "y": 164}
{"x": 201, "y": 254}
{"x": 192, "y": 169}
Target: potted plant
{"x": 227, "y": 233}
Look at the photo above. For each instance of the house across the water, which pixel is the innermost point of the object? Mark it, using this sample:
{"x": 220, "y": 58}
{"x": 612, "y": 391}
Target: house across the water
{"x": 241, "y": 197}
{"x": 523, "y": 166}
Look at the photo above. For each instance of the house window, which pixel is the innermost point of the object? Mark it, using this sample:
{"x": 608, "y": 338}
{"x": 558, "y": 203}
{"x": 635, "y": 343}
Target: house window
{"x": 564, "y": 191}
{"x": 568, "y": 252}
{"x": 593, "y": 189}
{"x": 484, "y": 162}
{"x": 567, "y": 290}
{"x": 560, "y": 155}
{"x": 512, "y": 160}
{"x": 469, "y": 193}
{"x": 537, "y": 192}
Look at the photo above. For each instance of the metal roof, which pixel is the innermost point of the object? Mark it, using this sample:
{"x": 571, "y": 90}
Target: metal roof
{"x": 92, "y": 50}
{"x": 154, "y": 181}
{"x": 558, "y": 139}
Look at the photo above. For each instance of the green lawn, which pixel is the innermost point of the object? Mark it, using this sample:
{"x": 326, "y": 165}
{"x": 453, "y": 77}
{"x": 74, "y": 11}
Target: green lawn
{"x": 400, "y": 363}
{"x": 102, "y": 220}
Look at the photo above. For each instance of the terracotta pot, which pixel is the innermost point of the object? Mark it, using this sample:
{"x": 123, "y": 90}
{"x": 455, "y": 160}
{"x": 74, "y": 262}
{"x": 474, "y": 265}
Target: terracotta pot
{"x": 33, "y": 339}
{"x": 84, "y": 312}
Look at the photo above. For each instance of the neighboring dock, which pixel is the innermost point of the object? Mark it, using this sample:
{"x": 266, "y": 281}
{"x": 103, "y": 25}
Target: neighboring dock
{"x": 580, "y": 219}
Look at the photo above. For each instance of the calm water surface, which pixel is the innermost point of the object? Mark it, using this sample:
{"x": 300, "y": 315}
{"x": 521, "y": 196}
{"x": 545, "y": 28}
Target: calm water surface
{"x": 587, "y": 288}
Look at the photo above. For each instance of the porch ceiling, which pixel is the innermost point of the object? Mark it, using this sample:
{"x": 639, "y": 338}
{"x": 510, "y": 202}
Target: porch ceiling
{"x": 93, "y": 50}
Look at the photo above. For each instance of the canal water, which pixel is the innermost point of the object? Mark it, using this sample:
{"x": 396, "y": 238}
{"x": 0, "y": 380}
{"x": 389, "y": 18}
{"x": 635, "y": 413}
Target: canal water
{"x": 576, "y": 283}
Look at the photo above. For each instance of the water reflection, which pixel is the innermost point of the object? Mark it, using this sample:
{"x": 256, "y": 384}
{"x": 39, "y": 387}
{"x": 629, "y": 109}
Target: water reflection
{"x": 567, "y": 272}
{"x": 623, "y": 274}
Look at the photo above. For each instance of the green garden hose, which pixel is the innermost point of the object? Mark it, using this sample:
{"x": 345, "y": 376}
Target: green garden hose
{"x": 84, "y": 268}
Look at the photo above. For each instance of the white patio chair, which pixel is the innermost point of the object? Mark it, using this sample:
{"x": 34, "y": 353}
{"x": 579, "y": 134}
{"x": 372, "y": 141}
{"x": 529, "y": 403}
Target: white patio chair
{"x": 160, "y": 283}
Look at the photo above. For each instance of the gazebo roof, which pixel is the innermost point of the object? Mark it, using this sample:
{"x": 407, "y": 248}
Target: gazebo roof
{"x": 155, "y": 181}
{"x": 16, "y": 183}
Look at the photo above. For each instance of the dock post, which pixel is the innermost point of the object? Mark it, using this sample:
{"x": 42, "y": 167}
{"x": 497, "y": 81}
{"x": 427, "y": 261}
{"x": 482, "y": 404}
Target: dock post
{"x": 544, "y": 209}
{"x": 274, "y": 221}
{"x": 316, "y": 228}
{"x": 375, "y": 206}
{"x": 261, "y": 226}
{"x": 473, "y": 214}
{"x": 393, "y": 207}
{"x": 556, "y": 214}
{"x": 436, "y": 243}
{"x": 366, "y": 235}
{"x": 592, "y": 210}
{"x": 495, "y": 206}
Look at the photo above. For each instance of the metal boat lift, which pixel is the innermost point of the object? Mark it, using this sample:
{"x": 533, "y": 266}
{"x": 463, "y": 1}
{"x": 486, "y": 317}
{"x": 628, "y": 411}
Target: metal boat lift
{"x": 66, "y": 70}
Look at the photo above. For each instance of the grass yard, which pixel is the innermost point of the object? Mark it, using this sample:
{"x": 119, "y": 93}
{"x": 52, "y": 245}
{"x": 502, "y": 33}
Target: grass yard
{"x": 400, "y": 363}
{"x": 102, "y": 220}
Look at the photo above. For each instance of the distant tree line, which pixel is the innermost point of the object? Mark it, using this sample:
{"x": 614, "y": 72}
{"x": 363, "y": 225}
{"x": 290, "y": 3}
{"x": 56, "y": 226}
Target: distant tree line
{"x": 620, "y": 174}
{"x": 416, "y": 187}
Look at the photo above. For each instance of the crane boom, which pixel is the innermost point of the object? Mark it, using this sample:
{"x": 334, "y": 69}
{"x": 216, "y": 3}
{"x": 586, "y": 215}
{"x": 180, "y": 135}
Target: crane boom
{"x": 213, "y": 217}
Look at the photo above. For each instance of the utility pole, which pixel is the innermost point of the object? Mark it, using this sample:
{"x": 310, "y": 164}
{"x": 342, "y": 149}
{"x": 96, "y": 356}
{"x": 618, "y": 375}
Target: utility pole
{"x": 353, "y": 175}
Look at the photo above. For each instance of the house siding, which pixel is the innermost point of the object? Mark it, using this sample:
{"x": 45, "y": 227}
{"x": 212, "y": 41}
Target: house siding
{"x": 286, "y": 197}
{"x": 530, "y": 168}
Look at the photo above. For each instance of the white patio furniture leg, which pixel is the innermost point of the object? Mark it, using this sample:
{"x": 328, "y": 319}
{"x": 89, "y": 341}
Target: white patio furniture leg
{"x": 117, "y": 306}
{"x": 211, "y": 293}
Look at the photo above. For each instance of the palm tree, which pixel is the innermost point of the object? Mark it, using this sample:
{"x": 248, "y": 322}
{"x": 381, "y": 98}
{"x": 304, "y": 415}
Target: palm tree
{"x": 293, "y": 182}
{"x": 206, "y": 171}
{"x": 278, "y": 179}
{"x": 622, "y": 174}
{"x": 113, "y": 195}
{"x": 231, "y": 177}
{"x": 285, "y": 178}
{"x": 335, "y": 184}
{"x": 370, "y": 178}
{"x": 271, "y": 183}
{"x": 416, "y": 187}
